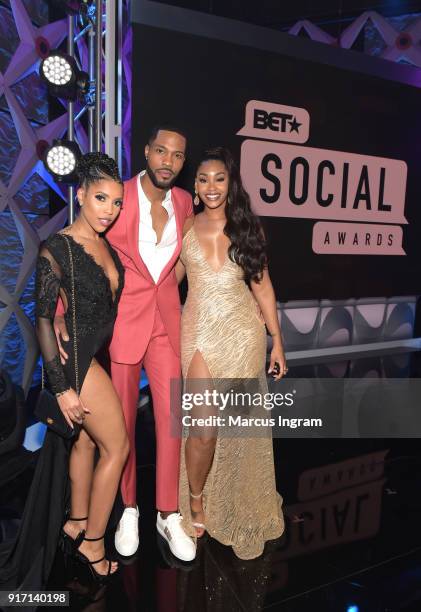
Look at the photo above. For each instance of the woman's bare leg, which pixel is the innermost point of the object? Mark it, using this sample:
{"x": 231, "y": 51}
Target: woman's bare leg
{"x": 200, "y": 445}
{"x": 105, "y": 426}
{"x": 81, "y": 470}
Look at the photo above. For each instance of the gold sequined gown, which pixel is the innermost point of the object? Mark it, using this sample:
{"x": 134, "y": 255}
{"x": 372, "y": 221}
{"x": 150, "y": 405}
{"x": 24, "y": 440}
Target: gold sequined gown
{"x": 221, "y": 319}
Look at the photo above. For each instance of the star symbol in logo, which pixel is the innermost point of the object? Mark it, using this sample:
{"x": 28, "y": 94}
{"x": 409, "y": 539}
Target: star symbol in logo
{"x": 294, "y": 125}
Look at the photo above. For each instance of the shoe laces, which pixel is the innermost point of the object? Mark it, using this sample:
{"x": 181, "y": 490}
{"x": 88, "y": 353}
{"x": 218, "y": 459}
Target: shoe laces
{"x": 174, "y": 520}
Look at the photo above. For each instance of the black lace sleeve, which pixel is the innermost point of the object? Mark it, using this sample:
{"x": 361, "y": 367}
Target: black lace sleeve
{"x": 47, "y": 286}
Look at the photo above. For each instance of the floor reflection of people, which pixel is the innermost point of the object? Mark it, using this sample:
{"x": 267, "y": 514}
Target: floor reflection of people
{"x": 227, "y": 483}
{"x": 221, "y": 581}
{"x": 84, "y": 598}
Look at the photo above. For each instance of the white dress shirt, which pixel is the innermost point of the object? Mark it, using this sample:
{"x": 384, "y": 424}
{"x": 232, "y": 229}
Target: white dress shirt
{"x": 155, "y": 256}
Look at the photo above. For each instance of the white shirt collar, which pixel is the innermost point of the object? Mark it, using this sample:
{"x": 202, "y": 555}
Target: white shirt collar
{"x": 166, "y": 202}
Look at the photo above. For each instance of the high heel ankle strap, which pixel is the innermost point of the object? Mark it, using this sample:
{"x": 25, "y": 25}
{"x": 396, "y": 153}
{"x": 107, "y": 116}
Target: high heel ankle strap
{"x": 71, "y": 518}
{"x": 93, "y": 539}
{"x": 196, "y": 495}
{"x": 97, "y": 561}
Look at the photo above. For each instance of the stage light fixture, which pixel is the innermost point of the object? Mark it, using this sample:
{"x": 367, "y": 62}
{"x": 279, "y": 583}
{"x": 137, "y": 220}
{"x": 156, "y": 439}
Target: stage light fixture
{"x": 60, "y": 160}
{"x": 63, "y": 77}
{"x": 57, "y": 70}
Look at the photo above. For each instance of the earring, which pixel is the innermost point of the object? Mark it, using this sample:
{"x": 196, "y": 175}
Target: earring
{"x": 196, "y": 200}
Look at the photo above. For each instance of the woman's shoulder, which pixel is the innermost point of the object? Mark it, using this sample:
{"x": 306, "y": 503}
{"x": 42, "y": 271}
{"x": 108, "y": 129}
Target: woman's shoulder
{"x": 55, "y": 244}
{"x": 188, "y": 224}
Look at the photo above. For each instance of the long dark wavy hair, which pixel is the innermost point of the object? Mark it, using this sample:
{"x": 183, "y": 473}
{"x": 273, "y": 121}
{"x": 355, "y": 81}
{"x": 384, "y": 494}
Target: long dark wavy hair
{"x": 243, "y": 227}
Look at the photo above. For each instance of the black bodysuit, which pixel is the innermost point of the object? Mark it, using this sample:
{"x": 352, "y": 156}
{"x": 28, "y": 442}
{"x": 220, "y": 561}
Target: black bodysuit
{"x": 25, "y": 562}
{"x": 95, "y": 307}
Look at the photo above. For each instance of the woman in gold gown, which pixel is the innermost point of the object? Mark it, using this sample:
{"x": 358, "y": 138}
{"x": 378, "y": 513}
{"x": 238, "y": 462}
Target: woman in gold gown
{"x": 227, "y": 482}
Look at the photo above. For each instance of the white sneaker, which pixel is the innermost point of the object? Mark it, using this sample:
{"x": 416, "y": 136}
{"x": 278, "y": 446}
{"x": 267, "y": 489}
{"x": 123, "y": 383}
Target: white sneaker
{"x": 127, "y": 535}
{"x": 181, "y": 545}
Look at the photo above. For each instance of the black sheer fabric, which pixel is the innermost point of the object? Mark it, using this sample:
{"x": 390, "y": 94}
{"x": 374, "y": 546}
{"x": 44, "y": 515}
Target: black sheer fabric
{"x": 95, "y": 306}
{"x": 47, "y": 283}
{"x": 26, "y": 562}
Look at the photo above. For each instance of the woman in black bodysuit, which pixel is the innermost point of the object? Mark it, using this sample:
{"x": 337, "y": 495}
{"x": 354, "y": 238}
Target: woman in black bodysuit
{"x": 98, "y": 279}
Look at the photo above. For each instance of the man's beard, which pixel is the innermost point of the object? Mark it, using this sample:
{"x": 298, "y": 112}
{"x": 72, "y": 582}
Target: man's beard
{"x": 160, "y": 184}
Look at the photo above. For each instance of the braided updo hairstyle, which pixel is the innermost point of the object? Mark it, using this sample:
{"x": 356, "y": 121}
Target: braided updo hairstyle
{"x": 94, "y": 167}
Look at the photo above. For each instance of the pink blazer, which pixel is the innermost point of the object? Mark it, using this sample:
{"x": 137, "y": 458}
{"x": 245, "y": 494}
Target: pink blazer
{"x": 141, "y": 295}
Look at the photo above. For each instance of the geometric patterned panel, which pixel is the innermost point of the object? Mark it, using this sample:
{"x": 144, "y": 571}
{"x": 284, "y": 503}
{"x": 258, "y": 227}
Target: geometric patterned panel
{"x": 395, "y": 40}
{"x": 400, "y": 318}
{"x": 369, "y": 320}
{"x": 314, "y": 324}
{"x": 13, "y": 344}
{"x": 37, "y": 11}
{"x": 397, "y": 366}
{"x": 336, "y": 323}
{"x": 374, "y": 43}
{"x": 24, "y": 206}
{"x": 12, "y": 251}
{"x": 32, "y": 200}
{"x": 300, "y": 324}
{"x": 10, "y": 146}
{"x": 30, "y": 93}
{"x": 9, "y": 37}
{"x": 367, "y": 367}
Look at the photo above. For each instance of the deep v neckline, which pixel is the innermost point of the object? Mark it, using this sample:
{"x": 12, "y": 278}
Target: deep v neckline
{"x": 92, "y": 258}
{"x": 203, "y": 255}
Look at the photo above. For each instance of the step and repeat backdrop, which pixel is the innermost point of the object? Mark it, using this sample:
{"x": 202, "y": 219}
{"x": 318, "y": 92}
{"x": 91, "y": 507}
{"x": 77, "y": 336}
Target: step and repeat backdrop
{"x": 330, "y": 157}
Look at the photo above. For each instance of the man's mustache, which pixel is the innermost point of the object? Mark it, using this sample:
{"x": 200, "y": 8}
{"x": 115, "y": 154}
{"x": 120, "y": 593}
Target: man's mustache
{"x": 165, "y": 170}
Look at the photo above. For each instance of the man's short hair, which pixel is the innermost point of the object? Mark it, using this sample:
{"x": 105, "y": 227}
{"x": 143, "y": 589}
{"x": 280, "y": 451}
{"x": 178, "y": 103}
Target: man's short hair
{"x": 168, "y": 127}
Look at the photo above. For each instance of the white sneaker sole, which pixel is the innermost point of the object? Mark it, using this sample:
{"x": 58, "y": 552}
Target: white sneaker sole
{"x": 164, "y": 535}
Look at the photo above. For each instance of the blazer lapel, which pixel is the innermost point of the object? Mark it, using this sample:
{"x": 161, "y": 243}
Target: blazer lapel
{"x": 178, "y": 222}
{"x": 133, "y": 226}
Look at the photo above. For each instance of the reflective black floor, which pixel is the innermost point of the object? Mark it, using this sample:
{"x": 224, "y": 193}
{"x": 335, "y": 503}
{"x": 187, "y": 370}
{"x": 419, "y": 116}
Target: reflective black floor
{"x": 352, "y": 541}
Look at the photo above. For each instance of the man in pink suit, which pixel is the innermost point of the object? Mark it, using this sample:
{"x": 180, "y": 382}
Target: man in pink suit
{"x": 148, "y": 237}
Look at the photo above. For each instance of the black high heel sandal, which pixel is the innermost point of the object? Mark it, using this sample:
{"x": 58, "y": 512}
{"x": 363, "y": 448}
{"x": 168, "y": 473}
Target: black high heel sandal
{"x": 68, "y": 544}
{"x": 83, "y": 559}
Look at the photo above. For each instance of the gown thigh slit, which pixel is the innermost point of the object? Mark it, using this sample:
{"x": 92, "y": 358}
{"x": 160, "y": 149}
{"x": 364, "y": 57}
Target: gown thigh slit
{"x": 198, "y": 368}
{"x": 26, "y": 562}
{"x": 221, "y": 320}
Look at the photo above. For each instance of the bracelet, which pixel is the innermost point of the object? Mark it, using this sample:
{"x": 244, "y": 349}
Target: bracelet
{"x": 60, "y": 393}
